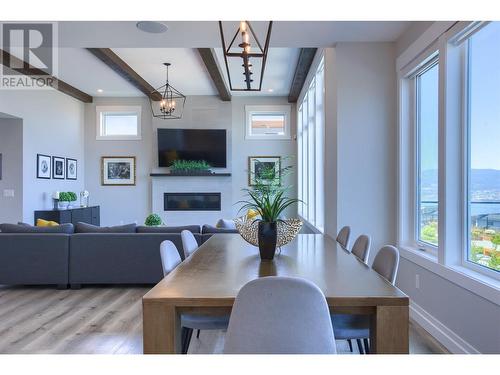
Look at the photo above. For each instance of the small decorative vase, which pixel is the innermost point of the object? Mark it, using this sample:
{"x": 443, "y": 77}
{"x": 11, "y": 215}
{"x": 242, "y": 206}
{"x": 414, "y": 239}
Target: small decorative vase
{"x": 63, "y": 205}
{"x": 268, "y": 237}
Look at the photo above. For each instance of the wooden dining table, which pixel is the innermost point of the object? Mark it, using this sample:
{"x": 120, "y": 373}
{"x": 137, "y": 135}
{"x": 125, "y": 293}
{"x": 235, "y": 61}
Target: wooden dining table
{"x": 208, "y": 281}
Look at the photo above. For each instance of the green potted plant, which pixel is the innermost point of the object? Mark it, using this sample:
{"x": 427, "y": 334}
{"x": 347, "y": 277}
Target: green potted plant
{"x": 269, "y": 198}
{"x": 190, "y": 167}
{"x": 153, "y": 220}
{"x": 65, "y": 199}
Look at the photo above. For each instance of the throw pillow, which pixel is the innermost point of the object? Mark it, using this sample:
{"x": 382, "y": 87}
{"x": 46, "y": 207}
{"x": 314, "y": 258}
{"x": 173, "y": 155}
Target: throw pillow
{"x": 89, "y": 228}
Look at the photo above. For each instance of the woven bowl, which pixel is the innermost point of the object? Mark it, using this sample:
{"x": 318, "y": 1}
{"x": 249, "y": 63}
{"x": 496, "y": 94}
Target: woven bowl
{"x": 249, "y": 229}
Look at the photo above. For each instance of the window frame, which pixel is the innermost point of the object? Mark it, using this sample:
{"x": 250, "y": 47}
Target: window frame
{"x": 102, "y": 111}
{"x": 284, "y": 110}
{"x": 448, "y": 263}
{"x": 428, "y": 65}
{"x": 311, "y": 147}
{"x": 466, "y": 163}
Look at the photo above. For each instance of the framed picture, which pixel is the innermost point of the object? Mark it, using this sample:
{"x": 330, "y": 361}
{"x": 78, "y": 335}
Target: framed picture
{"x": 71, "y": 169}
{"x": 43, "y": 166}
{"x": 58, "y": 168}
{"x": 263, "y": 168}
{"x": 118, "y": 170}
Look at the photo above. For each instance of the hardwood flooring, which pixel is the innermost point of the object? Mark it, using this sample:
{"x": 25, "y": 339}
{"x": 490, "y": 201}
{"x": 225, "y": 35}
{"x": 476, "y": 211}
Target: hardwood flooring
{"x": 105, "y": 320}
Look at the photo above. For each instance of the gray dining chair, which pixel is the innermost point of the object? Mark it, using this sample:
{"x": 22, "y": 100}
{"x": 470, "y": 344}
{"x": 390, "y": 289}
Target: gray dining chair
{"x": 280, "y": 315}
{"x": 189, "y": 243}
{"x": 361, "y": 248}
{"x": 386, "y": 263}
{"x": 357, "y": 327}
{"x": 170, "y": 258}
{"x": 343, "y": 237}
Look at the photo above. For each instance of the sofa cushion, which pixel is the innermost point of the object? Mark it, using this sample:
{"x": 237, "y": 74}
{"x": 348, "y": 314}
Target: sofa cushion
{"x": 89, "y": 228}
{"x": 209, "y": 229}
{"x": 165, "y": 229}
{"x": 23, "y": 228}
{"x": 225, "y": 224}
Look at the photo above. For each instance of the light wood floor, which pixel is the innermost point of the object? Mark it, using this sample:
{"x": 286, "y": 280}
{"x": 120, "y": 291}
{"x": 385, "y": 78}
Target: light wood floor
{"x": 104, "y": 320}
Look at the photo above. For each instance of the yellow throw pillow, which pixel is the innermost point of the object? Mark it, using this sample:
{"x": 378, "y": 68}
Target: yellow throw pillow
{"x": 46, "y": 223}
{"x": 252, "y": 214}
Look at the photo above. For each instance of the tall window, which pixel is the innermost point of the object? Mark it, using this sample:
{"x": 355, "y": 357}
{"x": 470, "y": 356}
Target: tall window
{"x": 118, "y": 123}
{"x": 426, "y": 83}
{"x": 483, "y": 192}
{"x": 310, "y": 137}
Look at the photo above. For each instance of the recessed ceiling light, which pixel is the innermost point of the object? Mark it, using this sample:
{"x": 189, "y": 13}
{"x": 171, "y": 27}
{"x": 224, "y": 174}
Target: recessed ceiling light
{"x": 152, "y": 27}
{"x": 270, "y": 90}
{"x": 100, "y": 90}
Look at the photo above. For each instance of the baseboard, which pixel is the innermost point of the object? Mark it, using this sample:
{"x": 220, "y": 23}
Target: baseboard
{"x": 449, "y": 339}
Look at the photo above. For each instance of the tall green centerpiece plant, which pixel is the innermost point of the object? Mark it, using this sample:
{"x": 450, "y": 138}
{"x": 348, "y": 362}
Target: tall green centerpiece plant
{"x": 269, "y": 197}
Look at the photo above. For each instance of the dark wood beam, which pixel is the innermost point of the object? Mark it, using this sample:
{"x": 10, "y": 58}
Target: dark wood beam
{"x": 8, "y": 60}
{"x": 306, "y": 58}
{"x": 111, "y": 59}
{"x": 209, "y": 58}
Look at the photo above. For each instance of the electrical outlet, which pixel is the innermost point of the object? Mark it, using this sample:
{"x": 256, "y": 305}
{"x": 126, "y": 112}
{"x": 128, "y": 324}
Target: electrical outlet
{"x": 8, "y": 193}
{"x": 417, "y": 281}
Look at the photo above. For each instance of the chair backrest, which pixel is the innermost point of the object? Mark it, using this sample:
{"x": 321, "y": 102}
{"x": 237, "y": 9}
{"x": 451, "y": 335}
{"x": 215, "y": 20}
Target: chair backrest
{"x": 343, "y": 237}
{"x": 170, "y": 257}
{"x": 386, "y": 262}
{"x": 189, "y": 243}
{"x": 280, "y": 315}
{"x": 361, "y": 247}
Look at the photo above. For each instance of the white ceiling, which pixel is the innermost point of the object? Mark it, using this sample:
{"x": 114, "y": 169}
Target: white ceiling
{"x": 146, "y": 53}
{"x": 205, "y": 34}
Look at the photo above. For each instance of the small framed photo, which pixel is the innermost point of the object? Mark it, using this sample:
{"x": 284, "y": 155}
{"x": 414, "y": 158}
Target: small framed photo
{"x": 263, "y": 169}
{"x": 58, "y": 168}
{"x": 118, "y": 170}
{"x": 43, "y": 166}
{"x": 71, "y": 169}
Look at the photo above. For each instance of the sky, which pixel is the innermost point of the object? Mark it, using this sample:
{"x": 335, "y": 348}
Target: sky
{"x": 484, "y": 104}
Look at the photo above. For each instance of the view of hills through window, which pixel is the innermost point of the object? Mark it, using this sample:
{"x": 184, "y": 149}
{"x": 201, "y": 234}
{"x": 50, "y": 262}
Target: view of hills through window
{"x": 483, "y": 157}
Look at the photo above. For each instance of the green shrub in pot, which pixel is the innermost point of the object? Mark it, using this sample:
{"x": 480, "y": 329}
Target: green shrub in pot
{"x": 153, "y": 220}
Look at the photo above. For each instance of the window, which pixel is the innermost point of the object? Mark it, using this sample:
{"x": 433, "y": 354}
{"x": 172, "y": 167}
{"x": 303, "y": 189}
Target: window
{"x": 310, "y": 137}
{"x": 483, "y": 161}
{"x": 119, "y": 123}
{"x": 267, "y": 122}
{"x": 426, "y": 84}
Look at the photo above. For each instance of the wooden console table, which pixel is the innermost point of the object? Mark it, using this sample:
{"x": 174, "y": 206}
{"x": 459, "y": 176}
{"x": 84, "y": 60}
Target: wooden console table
{"x": 90, "y": 215}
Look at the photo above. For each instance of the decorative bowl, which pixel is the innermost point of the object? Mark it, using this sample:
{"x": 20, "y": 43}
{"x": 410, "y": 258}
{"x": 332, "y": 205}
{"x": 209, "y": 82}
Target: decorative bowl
{"x": 287, "y": 230}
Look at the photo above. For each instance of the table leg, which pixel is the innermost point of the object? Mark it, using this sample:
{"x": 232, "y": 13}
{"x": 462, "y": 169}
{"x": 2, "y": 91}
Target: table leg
{"x": 161, "y": 329}
{"x": 390, "y": 330}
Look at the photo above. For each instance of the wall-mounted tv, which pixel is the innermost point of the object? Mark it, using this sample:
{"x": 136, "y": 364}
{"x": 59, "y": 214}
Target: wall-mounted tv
{"x": 192, "y": 144}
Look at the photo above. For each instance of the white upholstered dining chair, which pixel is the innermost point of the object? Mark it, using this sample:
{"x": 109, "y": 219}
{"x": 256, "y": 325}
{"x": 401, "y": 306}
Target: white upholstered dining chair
{"x": 343, "y": 237}
{"x": 170, "y": 258}
{"x": 361, "y": 248}
{"x": 189, "y": 243}
{"x": 280, "y": 315}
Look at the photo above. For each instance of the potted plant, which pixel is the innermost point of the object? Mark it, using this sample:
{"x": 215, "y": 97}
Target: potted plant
{"x": 268, "y": 197}
{"x": 190, "y": 167}
{"x": 65, "y": 198}
{"x": 153, "y": 220}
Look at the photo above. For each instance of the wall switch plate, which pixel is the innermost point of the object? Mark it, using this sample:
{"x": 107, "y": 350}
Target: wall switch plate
{"x": 417, "y": 281}
{"x": 8, "y": 193}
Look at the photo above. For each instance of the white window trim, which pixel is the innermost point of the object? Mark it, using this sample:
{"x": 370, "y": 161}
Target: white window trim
{"x": 449, "y": 260}
{"x": 100, "y": 110}
{"x": 251, "y": 110}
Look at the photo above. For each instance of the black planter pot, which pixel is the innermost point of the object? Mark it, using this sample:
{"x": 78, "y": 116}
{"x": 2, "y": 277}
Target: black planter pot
{"x": 268, "y": 234}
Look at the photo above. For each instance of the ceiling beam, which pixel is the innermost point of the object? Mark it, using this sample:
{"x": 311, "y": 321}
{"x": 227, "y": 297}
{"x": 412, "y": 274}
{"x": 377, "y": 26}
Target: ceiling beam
{"x": 306, "y": 58}
{"x": 9, "y": 60}
{"x": 111, "y": 59}
{"x": 210, "y": 59}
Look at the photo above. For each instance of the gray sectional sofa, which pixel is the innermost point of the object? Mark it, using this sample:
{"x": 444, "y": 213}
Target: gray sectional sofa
{"x": 88, "y": 255}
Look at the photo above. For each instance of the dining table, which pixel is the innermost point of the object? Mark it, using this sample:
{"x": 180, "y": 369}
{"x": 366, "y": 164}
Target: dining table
{"x": 208, "y": 281}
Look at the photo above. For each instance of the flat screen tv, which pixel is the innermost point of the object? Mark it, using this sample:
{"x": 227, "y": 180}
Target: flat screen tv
{"x": 192, "y": 144}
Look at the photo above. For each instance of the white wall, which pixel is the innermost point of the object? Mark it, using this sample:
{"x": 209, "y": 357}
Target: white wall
{"x": 121, "y": 204}
{"x": 52, "y": 125}
{"x": 366, "y": 140}
{"x": 11, "y": 148}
